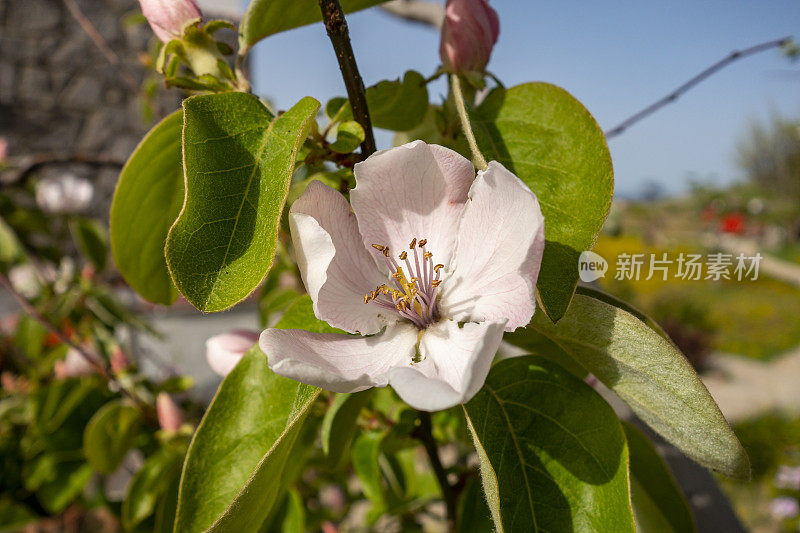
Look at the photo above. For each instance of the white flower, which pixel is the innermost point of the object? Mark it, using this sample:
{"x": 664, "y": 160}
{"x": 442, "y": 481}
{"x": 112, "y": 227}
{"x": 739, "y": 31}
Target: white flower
{"x": 784, "y": 508}
{"x": 430, "y": 267}
{"x": 223, "y": 351}
{"x": 66, "y": 193}
{"x": 788, "y": 477}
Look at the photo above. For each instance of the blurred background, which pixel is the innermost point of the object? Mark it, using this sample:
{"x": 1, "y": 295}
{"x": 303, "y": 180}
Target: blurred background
{"x": 715, "y": 171}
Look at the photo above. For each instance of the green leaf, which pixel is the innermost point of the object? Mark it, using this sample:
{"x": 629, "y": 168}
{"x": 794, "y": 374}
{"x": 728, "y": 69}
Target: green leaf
{"x": 300, "y": 315}
{"x": 10, "y": 247}
{"x": 334, "y": 105}
{"x": 625, "y": 306}
{"x": 551, "y": 142}
{"x": 146, "y": 202}
{"x": 241, "y": 449}
{"x": 239, "y": 161}
{"x": 13, "y": 515}
{"x": 266, "y": 17}
{"x": 292, "y": 515}
{"x": 394, "y": 105}
{"x": 552, "y": 453}
{"x": 366, "y": 450}
{"x": 649, "y": 373}
{"x": 339, "y": 424}
{"x": 349, "y": 135}
{"x": 149, "y": 486}
{"x": 473, "y": 513}
{"x": 658, "y": 504}
{"x": 91, "y": 239}
{"x": 109, "y": 435}
{"x": 167, "y": 507}
{"x": 57, "y": 478}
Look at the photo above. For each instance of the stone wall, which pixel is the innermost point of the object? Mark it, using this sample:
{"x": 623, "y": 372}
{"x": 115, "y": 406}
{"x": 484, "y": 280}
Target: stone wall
{"x": 60, "y": 95}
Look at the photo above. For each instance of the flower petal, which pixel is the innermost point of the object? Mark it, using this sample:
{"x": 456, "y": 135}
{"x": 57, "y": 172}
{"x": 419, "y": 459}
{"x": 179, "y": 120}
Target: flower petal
{"x": 499, "y": 252}
{"x": 412, "y": 191}
{"x": 455, "y": 363}
{"x": 336, "y": 268}
{"x": 224, "y": 351}
{"x": 339, "y": 363}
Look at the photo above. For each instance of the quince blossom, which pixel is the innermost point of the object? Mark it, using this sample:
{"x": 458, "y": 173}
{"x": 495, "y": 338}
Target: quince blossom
{"x": 430, "y": 267}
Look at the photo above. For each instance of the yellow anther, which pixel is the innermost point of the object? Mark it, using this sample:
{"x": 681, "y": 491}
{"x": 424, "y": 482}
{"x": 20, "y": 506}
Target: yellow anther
{"x": 396, "y": 294}
{"x": 413, "y": 243}
{"x": 436, "y": 282}
{"x": 379, "y": 247}
{"x": 396, "y": 275}
{"x": 427, "y": 255}
{"x": 386, "y": 251}
{"x": 423, "y": 242}
{"x": 413, "y": 280}
{"x": 366, "y": 298}
{"x": 438, "y": 267}
{"x": 403, "y": 256}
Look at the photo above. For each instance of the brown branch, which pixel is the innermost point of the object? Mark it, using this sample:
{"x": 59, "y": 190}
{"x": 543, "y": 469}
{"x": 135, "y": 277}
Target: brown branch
{"x": 674, "y": 95}
{"x": 419, "y": 11}
{"x": 92, "y": 359}
{"x": 336, "y": 26}
{"x": 101, "y": 43}
{"x": 424, "y": 433}
{"x": 23, "y": 166}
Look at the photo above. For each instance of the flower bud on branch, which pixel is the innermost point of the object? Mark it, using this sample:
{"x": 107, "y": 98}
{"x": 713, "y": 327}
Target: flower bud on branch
{"x": 169, "y": 17}
{"x": 470, "y": 30}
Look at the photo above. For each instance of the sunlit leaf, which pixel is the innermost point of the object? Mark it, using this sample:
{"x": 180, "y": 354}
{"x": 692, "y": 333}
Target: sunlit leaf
{"x": 552, "y": 453}
{"x": 239, "y": 161}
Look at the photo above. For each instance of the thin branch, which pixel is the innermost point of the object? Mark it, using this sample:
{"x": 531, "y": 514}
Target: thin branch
{"x": 24, "y": 166}
{"x": 101, "y": 43}
{"x": 674, "y": 95}
{"x": 425, "y": 434}
{"x": 93, "y": 360}
{"x": 336, "y": 25}
{"x": 419, "y": 11}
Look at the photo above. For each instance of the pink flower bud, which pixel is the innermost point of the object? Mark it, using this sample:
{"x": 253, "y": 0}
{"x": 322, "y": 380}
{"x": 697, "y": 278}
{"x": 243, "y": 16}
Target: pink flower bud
{"x": 168, "y": 17}
{"x": 119, "y": 363}
{"x": 470, "y": 31}
{"x": 224, "y": 351}
{"x": 170, "y": 416}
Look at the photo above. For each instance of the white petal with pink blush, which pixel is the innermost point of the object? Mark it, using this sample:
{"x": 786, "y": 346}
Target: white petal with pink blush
{"x": 224, "y": 351}
{"x": 429, "y": 269}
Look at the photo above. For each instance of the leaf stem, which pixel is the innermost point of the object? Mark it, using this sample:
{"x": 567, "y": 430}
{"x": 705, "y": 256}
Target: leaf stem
{"x": 424, "y": 433}
{"x": 477, "y": 157}
{"x": 336, "y": 26}
{"x": 242, "y": 84}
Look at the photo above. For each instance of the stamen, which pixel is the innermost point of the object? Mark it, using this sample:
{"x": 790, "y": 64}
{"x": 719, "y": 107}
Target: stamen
{"x": 414, "y": 297}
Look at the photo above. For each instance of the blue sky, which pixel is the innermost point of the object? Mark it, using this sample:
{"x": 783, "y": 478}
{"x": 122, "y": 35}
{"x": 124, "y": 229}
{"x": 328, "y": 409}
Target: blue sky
{"x": 615, "y": 56}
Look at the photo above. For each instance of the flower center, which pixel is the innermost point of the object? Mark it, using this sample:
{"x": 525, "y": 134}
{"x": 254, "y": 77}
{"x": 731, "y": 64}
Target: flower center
{"x": 414, "y": 294}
